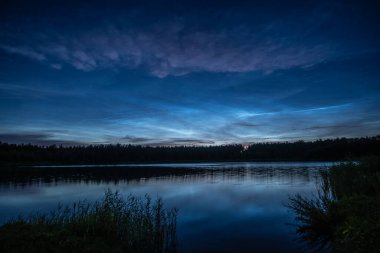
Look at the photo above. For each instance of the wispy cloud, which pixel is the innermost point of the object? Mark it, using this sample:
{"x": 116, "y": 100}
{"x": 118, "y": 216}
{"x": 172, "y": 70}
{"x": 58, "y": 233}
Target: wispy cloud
{"x": 246, "y": 114}
{"x": 332, "y": 127}
{"x": 163, "y": 141}
{"x": 34, "y": 91}
{"x": 247, "y": 124}
{"x": 171, "y": 49}
{"x": 24, "y": 51}
{"x": 236, "y": 40}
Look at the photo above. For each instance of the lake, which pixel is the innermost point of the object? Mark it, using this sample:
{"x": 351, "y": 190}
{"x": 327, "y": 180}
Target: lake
{"x": 223, "y": 207}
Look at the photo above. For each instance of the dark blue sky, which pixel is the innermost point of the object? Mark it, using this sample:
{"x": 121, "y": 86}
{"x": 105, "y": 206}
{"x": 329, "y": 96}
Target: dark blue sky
{"x": 183, "y": 73}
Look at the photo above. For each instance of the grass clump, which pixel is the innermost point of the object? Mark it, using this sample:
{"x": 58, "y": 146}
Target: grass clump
{"x": 345, "y": 216}
{"x": 112, "y": 224}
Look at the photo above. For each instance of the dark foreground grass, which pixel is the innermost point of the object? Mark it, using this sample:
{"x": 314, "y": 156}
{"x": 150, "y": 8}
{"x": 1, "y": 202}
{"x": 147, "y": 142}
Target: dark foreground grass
{"x": 113, "y": 224}
{"x": 345, "y": 217}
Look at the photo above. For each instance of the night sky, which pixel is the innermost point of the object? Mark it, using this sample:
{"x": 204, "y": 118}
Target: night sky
{"x": 188, "y": 72}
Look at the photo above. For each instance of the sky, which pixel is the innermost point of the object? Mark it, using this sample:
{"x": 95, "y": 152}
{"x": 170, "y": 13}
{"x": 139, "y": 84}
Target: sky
{"x": 188, "y": 72}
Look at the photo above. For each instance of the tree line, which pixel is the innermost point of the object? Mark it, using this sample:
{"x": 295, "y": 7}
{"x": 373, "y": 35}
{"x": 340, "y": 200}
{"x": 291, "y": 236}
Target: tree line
{"x": 319, "y": 150}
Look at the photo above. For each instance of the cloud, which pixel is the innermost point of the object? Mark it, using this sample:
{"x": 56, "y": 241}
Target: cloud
{"x": 136, "y": 140}
{"x": 171, "y": 49}
{"x": 56, "y": 66}
{"x": 43, "y": 139}
{"x": 24, "y": 91}
{"x": 164, "y": 142}
{"x": 247, "y": 124}
{"x": 332, "y": 127}
{"x": 24, "y": 51}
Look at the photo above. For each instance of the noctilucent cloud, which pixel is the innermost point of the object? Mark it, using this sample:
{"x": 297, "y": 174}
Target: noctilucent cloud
{"x": 188, "y": 72}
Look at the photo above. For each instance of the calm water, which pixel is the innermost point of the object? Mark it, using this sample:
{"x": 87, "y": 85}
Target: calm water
{"x": 223, "y": 207}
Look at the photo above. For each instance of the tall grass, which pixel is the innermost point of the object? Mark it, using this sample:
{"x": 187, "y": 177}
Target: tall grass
{"x": 112, "y": 224}
{"x": 345, "y": 216}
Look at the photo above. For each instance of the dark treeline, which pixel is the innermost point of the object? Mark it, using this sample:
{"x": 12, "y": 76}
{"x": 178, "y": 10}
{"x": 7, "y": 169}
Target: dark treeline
{"x": 328, "y": 150}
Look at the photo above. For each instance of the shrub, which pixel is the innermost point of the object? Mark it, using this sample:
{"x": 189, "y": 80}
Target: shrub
{"x": 345, "y": 216}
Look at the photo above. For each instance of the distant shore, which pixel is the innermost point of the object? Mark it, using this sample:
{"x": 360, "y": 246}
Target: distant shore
{"x": 340, "y": 149}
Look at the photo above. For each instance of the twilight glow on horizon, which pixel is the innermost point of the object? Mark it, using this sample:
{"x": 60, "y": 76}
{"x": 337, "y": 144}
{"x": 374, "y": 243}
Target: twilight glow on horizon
{"x": 188, "y": 72}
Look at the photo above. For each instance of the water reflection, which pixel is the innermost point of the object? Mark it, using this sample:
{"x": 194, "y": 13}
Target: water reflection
{"x": 221, "y": 209}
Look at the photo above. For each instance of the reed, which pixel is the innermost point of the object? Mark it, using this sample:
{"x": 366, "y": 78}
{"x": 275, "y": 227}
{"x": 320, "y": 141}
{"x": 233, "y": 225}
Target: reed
{"x": 345, "y": 216}
{"x": 113, "y": 224}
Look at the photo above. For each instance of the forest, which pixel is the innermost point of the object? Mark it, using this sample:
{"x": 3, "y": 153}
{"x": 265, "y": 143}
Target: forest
{"x": 319, "y": 150}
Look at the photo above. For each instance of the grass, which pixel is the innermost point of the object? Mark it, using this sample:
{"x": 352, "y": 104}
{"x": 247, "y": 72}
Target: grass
{"x": 113, "y": 224}
{"x": 345, "y": 216}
